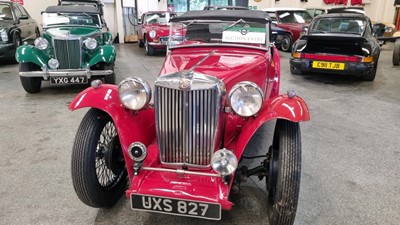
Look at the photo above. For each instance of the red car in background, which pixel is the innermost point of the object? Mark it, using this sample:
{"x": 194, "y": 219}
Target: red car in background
{"x": 153, "y": 30}
{"x": 290, "y": 19}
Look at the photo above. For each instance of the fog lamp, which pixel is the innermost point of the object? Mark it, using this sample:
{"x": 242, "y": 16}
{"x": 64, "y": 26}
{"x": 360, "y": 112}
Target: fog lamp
{"x": 137, "y": 151}
{"x": 53, "y": 63}
{"x": 224, "y": 162}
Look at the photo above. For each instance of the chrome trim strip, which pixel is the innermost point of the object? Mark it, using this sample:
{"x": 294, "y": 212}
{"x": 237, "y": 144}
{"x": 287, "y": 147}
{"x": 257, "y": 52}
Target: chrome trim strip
{"x": 48, "y": 74}
{"x": 180, "y": 172}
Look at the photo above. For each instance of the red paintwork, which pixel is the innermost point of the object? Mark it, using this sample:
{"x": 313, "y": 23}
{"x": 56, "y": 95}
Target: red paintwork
{"x": 188, "y": 187}
{"x": 344, "y": 58}
{"x": 231, "y": 65}
{"x": 294, "y": 28}
{"x": 130, "y": 126}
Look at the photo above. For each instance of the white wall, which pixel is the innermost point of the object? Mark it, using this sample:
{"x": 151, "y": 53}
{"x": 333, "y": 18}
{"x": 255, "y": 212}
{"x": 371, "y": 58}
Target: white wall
{"x": 35, "y": 9}
{"x": 109, "y": 16}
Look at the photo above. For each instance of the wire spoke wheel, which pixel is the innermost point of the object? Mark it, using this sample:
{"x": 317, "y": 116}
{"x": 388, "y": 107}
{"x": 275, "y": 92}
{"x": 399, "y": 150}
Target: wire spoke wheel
{"x": 98, "y": 168}
{"x": 105, "y": 175}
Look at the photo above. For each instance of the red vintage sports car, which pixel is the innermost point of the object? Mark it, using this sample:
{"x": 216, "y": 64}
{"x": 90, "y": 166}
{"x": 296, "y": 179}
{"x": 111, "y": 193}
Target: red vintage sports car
{"x": 153, "y": 30}
{"x": 293, "y": 20}
{"x": 180, "y": 154}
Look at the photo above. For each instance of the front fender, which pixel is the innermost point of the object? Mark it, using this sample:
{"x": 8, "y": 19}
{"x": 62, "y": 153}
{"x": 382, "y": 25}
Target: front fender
{"x": 279, "y": 107}
{"x": 131, "y": 126}
{"x": 30, "y": 54}
{"x": 105, "y": 54}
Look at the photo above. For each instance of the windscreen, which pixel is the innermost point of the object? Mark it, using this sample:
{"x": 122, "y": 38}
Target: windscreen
{"x": 5, "y": 12}
{"x": 158, "y": 18}
{"x": 294, "y": 17}
{"x": 71, "y": 19}
{"x": 211, "y": 32}
{"x": 338, "y": 25}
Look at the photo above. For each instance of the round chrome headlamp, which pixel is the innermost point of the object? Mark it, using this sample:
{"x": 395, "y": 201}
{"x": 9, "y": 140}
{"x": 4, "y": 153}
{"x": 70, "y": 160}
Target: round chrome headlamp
{"x": 90, "y": 43}
{"x": 41, "y": 43}
{"x": 134, "y": 93}
{"x": 246, "y": 98}
{"x": 224, "y": 162}
{"x": 152, "y": 34}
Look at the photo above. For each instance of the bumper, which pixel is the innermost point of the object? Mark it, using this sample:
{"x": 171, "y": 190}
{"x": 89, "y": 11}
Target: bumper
{"x": 154, "y": 180}
{"x": 158, "y": 45}
{"x": 46, "y": 74}
{"x": 351, "y": 68}
{"x": 7, "y": 51}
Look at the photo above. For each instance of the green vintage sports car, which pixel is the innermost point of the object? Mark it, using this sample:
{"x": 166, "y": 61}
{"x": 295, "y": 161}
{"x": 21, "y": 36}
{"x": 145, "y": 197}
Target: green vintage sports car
{"x": 74, "y": 48}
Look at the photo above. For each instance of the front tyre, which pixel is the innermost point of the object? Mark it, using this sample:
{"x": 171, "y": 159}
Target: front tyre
{"x": 97, "y": 165}
{"x": 149, "y": 48}
{"x": 396, "y": 53}
{"x": 283, "y": 183}
{"x": 109, "y": 79}
{"x": 30, "y": 84}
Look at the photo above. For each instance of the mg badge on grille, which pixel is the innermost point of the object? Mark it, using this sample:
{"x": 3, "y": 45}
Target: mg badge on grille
{"x": 184, "y": 84}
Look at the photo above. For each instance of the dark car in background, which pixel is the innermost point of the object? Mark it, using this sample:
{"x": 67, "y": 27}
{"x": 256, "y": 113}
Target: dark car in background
{"x": 290, "y": 19}
{"x": 98, "y": 4}
{"x": 16, "y": 27}
{"x": 337, "y": 43}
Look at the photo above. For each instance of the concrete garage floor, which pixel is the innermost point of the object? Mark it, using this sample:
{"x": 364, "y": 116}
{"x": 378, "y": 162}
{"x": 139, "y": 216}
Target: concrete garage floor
{"x": 351, "y": 156}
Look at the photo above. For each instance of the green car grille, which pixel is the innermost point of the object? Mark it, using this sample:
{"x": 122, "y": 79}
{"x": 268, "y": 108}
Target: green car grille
{"x": 68, "y": 53}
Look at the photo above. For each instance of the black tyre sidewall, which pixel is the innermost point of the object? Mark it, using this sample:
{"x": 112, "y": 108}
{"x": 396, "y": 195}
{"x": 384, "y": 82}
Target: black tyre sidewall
{"x": 149, "y": 49}
{"x": 30, "y": 84}
{"x": 83, "y": 160}
{"x": 111, "y": 78}
{"x": 396, "y": 53}
{"x": 282, "y": 208}
{"x": 286, "y": 48}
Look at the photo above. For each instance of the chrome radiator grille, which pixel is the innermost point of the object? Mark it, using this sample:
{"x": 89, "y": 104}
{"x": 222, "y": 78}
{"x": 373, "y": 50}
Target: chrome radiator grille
{"x": 68, "y": 53}
{"x": 187, "y": 123}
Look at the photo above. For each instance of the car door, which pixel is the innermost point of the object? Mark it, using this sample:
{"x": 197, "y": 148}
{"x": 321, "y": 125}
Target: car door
{"x": 28, "y": 25}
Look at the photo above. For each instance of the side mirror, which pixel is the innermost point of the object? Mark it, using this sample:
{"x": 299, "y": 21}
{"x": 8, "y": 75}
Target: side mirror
{"x": 24, "y": 17}
{"x": 139, "y": 22}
